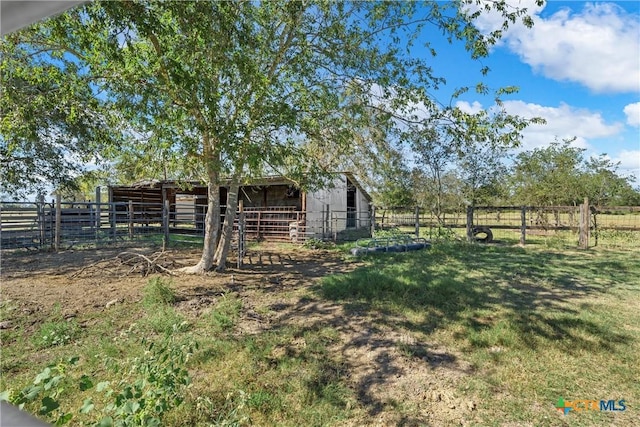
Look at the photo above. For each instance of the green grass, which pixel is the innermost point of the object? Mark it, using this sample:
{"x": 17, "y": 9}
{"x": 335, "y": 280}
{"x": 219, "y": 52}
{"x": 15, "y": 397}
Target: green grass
{"x": 532, "y": 324}
{"x": 535, "y": 324}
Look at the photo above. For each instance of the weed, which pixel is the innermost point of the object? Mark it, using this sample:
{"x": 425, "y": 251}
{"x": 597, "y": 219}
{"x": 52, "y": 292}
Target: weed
{"x": 226, "y": 313}
{"x": 44, "y": 391}
{"x": 149, "y": 386}
{"x": 440, "y": 234}
{"x": 163, "y": 320}
{"x": 157, "y": 292}
{"x": 314, "y": 243}
{"x": 389, "y": 233}
{"x": 55, "y": 332}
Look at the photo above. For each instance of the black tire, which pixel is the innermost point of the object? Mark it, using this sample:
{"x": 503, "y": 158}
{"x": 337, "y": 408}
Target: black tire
{"x": 479, "y": 231}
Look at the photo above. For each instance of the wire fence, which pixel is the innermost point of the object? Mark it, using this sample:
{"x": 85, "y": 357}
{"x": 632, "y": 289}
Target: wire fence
{"x": 608, "y": 226}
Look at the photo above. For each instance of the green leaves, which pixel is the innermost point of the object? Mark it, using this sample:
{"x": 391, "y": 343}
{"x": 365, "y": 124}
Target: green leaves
{"x": 560, "y": 175}
{"x": 52, "y": 120}
{"x": 206, "y": 89}
{"x": 150, "y": 386}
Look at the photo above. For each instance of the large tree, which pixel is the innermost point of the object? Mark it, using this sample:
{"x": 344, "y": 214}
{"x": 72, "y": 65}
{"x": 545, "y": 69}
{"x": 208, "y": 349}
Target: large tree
{"x": 548, "y": 176}
{"x": 234, "y": 88}
{"x": 51, "y": 121}
{"x": 560, "y": 175}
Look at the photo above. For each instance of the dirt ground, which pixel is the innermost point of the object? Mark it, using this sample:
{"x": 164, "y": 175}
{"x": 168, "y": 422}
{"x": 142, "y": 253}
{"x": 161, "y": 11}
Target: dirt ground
{"x": 423, "y": 378}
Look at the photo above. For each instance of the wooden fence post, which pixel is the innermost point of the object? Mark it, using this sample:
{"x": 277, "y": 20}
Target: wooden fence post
{"x": 583, "y": 238}
{"x": 327, "y": 224}
{"x": 523, "y": 225}
{"x": 165, "y": 224}
{"x": 258, "y": 226}
{"x": 417, "y": 222}
{"x": 112, "y": 219}
{"x": 373, "y": 220}
{"x": 130, "y": 219}
{"x": 470, "y": 223}
{"x": 98, "y": 213}
{"x": 240, "y": 233}
{"x": 58, "y": 222}
{"x": 41, "y": 220}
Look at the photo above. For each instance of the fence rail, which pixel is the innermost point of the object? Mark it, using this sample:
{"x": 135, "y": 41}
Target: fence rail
{"x": 601, "y": 225}
{"x": 61, "y": 225}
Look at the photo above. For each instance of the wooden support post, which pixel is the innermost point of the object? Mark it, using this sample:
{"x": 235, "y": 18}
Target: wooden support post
{"x": 417, "y": 222}
{"x": 41, "y": 220}
{"x": 98, "y": 213}
{"x": 130, "y": 212}
{"x": 327, "y": 221}
{"x": 373, "y": 220}
{"x": 112, "y": 219}
{"x": 583, "y": 238}
{"x": 258, "y": 227}
{"x": 470, "y": 223}
{"x": 112, "y": 213}
{"x": 165, "y": 224}
{"x": 240, "y": 233}
{"x": 58, "y": 222}
{"x": 523, "y": 225}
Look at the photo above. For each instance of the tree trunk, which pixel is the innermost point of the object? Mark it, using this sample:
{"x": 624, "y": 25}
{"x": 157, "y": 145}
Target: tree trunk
{"x": 212, "y": 226}
{"x": 227, "y": 229}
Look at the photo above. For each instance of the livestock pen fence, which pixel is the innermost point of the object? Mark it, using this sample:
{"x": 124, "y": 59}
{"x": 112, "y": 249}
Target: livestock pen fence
{"x": 583, "y": 225}
{"x": 63, "y": 225}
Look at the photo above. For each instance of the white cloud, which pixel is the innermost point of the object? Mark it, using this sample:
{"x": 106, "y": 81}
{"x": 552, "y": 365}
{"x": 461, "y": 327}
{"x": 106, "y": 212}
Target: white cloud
{"x": 629, "y": 160}
{"x": 633, "y": 114}
{"x": 629, "y": 164}
{"x": 597, "y": 47}
{"x": 562, "y": 122}
{"x": 472, "y": 108}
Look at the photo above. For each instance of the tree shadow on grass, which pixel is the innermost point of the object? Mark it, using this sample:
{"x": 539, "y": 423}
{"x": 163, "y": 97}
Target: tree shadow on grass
{"x": 499, "y": 295}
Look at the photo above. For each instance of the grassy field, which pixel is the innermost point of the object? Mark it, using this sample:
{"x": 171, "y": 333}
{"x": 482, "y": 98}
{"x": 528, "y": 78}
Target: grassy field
{"x": 472, "y": 335}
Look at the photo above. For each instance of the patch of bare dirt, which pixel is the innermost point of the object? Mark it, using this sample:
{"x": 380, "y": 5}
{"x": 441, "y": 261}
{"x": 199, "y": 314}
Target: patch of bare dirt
{"x": 386, "y": 367}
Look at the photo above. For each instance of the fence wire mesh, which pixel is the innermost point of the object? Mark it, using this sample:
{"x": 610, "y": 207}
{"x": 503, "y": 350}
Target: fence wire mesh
{"x": 611, "y": 226}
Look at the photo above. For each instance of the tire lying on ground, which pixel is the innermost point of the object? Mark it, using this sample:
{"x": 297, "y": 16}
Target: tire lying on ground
{"x": 482, "y": 234}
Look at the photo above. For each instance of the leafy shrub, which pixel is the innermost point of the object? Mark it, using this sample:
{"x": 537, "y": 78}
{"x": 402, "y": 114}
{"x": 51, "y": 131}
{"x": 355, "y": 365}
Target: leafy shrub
{"x": 445, "y": 234}
{"x": 43, "y": 393}
{"x": 149, "y": 387}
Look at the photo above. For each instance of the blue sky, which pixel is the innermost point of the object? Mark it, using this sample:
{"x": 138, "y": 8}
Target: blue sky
{"x": 578, "y": 68}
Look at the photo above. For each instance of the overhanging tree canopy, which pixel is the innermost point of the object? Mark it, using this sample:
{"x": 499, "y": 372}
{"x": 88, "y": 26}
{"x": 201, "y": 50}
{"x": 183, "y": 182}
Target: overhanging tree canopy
{"x": 232, "y": 88}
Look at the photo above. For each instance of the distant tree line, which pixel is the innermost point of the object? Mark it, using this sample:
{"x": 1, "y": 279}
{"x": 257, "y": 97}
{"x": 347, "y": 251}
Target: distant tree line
{"x": 442, "y": 177}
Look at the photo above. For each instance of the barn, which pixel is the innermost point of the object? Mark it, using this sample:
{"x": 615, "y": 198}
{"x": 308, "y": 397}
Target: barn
{"x": 273, "y": 207}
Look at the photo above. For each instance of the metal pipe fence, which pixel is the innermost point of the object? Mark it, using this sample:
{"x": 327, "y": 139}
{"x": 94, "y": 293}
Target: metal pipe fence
{"x": 64, "y": 225}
